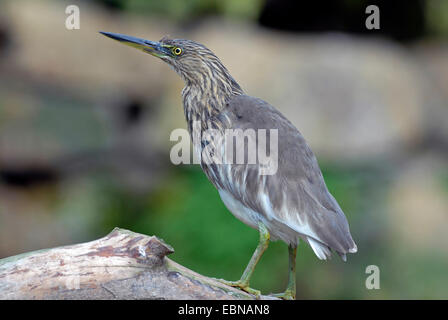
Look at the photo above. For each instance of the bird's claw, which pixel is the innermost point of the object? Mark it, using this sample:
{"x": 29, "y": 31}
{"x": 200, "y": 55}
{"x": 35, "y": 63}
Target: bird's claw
{"x": 287, "y": 295}
{"x": 242, "y": 286}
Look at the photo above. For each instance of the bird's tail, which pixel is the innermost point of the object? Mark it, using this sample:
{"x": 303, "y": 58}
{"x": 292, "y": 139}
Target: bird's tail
{"x": 323, "y": 252}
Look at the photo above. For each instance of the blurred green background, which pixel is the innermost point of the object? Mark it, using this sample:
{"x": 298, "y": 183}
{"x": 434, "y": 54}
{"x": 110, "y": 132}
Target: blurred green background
{"x": 85, "y": 125}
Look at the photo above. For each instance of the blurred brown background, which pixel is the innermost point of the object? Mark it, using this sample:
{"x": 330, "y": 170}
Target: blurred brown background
{"x": 85, "y": 124}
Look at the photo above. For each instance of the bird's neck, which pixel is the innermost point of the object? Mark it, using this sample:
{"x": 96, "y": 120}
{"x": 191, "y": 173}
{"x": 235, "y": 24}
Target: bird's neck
{"x": 205, "y": 99}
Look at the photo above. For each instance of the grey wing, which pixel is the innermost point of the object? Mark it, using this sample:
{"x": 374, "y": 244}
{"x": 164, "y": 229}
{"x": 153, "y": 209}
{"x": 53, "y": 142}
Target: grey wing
{"x": 296, "y": 196}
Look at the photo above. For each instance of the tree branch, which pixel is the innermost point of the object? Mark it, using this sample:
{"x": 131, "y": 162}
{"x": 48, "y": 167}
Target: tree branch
{"x": 122, "y": 265}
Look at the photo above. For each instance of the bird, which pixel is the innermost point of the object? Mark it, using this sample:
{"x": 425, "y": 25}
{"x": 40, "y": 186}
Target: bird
{"x": 291, "y": 204}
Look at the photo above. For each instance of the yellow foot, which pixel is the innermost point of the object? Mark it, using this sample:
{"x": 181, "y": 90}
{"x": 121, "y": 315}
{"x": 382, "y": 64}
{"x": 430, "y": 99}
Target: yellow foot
{"x": 241, "y": 285}
{"x": 287, "y": 295}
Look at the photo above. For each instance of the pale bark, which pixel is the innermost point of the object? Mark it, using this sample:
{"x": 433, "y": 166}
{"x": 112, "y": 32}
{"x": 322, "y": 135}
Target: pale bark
{"x": 122, "y": 265}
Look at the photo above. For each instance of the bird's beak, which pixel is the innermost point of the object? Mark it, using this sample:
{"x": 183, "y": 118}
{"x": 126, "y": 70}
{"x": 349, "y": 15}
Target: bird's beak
{"x": 151, "y": 47}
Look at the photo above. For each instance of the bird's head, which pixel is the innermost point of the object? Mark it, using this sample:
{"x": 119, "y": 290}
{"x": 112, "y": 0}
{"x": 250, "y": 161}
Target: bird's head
{"x": 194, "y": 62}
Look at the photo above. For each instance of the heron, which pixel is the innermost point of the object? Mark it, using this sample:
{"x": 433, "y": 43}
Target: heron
{"x": 291, "y": 204}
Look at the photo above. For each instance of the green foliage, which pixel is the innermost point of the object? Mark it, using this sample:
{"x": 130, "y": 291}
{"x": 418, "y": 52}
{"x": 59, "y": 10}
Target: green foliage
{"x": 437, "y": 17}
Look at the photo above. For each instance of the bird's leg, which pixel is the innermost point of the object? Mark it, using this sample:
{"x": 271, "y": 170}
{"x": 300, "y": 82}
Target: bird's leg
{"x": 243, "y": 283}
{"x": 261, "y": 248}
{"x": 290, "y": 292}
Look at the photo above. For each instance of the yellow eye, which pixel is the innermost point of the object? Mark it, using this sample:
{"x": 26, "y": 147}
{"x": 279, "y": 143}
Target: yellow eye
{"x": 177, "y": 51}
